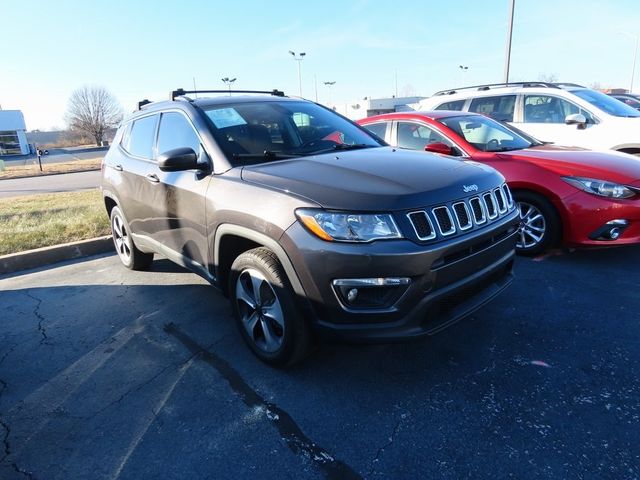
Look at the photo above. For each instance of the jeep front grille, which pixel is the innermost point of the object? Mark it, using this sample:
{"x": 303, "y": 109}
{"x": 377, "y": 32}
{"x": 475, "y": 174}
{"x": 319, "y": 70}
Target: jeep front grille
{"x": 422, "y": 225}
{"x": 446, "y": 220}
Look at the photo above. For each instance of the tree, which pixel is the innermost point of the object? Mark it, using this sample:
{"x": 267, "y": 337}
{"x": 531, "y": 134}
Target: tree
{"x": 548, "y": 77}
{"x": 93, "y": 110}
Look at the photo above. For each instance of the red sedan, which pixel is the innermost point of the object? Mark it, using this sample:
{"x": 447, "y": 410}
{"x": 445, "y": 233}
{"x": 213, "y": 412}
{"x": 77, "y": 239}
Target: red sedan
{"x": 566, "y": 194}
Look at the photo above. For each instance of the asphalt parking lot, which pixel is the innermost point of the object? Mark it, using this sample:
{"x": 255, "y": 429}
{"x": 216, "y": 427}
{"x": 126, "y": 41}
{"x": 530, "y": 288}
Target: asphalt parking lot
{"x": 106, "y": 373}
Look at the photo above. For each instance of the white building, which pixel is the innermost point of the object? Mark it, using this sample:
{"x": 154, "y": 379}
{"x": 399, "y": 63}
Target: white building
{"x": 368, "y": 107}
{"x": 13, "y": 138}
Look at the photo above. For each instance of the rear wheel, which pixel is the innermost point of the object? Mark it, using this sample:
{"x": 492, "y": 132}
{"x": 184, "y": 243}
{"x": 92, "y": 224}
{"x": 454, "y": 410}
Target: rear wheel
{"x": 265, "y": 311}
{"x": 129, "y": 254}
{"x": 539, "y": 224}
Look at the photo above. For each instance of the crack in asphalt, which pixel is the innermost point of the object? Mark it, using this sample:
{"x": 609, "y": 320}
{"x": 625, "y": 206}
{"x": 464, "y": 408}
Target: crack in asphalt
{"x": 394, "y": 433}
{"x": 140, "y": 386}
{"x": 290, "y": 432}
{"x": 36, "y": 312}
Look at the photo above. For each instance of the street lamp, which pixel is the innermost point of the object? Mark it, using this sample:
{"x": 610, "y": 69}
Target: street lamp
{"x": 298, "y": 58}
{"x": 228, "y": 81}
{"x": 635, "y": 56}
{"x": 330, "y": 84}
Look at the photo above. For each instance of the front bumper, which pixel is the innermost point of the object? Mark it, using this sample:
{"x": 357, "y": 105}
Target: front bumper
{"x": 587, "y": 214}
{"x": 449, "y": 279}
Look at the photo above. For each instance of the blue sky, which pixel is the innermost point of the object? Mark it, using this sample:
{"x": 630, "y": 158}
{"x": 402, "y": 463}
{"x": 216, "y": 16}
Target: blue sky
{"x": 144, "y": 49}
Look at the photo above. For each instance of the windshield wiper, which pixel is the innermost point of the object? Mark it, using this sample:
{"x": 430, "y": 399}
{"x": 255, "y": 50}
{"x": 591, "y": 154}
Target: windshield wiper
{"x": 343, "y": 146}
{"x": 267, "y": 155}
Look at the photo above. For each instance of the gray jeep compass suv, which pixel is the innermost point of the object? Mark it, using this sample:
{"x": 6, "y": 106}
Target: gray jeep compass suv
{"x": 307, "y": 222}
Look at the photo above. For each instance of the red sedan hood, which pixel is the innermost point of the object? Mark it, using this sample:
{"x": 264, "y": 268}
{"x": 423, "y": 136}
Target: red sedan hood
{"x": 612, "y": 166}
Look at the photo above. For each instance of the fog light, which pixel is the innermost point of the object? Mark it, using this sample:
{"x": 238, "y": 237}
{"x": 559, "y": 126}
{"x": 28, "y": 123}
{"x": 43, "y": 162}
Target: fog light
{"x": 614, "y": 233}
{"x": 611, "y": 230}
{"x": 352, "y": 295}
{"x": 370, "y": 293}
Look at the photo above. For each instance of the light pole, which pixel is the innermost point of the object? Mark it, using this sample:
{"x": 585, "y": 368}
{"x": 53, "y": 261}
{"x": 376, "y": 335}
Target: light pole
{"x": 330, "y": 84}
{"x": 463, "y": 69}
{"x": 228, "y": 81}
{"x": 507, "y": 59}
{"x": 298, "y": 58}
{"x": 635, "y": 56}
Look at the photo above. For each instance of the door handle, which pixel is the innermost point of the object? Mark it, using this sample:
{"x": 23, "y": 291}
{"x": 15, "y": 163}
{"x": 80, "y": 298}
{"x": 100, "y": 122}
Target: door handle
{"x": 153, "y": 178}
{"x": 117, "y": 167}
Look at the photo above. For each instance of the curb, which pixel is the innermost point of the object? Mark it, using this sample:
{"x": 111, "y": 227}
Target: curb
{"x": 40, "y": 257}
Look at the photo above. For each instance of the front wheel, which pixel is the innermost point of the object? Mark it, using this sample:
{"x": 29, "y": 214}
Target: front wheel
{"x": 265, "y": 311}
{"x": 539, "y": 224}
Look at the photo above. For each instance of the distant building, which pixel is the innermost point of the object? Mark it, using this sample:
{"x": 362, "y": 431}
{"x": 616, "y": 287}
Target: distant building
{"x": 368, "y": 107}
{"x": 13, "y": 138}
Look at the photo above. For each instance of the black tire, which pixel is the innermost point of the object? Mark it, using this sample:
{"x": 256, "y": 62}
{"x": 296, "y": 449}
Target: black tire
{"x": 129, "y": 255}
{"x": 530, "y": 205}
{"x": 272, "y": 325}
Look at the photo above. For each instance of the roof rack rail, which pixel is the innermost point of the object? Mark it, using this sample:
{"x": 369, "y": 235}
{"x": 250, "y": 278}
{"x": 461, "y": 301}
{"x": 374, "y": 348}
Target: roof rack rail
{"x": 451, "y": 91}
{"x": 181, "y": 92}
{"x": 563, "y": 84}
{"x": 142, "y": 103}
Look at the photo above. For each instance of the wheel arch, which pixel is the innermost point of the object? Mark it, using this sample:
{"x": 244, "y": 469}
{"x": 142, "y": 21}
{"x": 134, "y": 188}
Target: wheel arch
{"x": 555, "y": 201}
{"x": 232, "y": 240}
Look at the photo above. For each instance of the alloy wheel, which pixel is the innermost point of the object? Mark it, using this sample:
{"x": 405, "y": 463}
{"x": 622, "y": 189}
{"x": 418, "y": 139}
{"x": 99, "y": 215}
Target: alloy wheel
{"x": 532, "y": 226}
{"x": 260, "y": 311}
{"x": 121, "y": 238}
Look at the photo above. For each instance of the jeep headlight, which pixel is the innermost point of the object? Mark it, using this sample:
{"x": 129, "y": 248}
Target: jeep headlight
{"x": 349, "y": 227}
{"x": 600, "y": 187}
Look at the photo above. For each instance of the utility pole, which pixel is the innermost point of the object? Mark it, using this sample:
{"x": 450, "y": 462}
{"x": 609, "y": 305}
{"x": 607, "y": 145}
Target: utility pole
{"x": 298, "y": 58}
{"x": 507, "y": 59}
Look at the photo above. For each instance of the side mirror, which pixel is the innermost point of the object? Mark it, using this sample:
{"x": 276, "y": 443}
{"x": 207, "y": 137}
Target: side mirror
{"x": 576, "y": 119}
{"x": 178, "y": 160}
{"x": 438, "y": 147}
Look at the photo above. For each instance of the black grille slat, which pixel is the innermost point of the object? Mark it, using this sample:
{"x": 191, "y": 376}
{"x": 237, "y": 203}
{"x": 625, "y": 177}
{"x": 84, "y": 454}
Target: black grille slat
{"x": 500, "y": 199}
{"x": 422, "y": 225}
{"x": 507, "y": 194}
{"x": 443, "y": 217}
{"x": 476, "y": 207}
{"x": 491, "y": 207}
{"x": 460, "y": 209}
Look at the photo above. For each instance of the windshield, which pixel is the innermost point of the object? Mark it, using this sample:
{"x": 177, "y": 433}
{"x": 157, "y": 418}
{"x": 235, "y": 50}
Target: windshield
{"x": 259, "y": 131}
{"x": 606, "y": 103}
{"x": 632, "y": 102}
{"x": 487, "y": 134}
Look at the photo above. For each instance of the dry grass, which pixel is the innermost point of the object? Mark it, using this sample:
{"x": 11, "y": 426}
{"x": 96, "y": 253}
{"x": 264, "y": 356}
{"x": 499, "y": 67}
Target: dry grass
{"x": 33, "y": 170}
{"x": 50, "y": 219}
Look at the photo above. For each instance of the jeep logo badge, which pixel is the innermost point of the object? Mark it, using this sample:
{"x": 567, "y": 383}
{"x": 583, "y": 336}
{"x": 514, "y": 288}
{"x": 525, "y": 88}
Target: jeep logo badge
{"x": 470, "y": 188}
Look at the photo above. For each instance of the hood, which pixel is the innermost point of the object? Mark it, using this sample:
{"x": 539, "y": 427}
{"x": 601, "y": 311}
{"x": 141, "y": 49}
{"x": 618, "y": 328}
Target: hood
{"x": 374, "y": 179}
{"x": 610, "y": 165}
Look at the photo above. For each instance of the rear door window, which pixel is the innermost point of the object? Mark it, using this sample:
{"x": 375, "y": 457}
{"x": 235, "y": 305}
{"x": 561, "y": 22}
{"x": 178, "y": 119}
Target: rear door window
{"x": 549, "y": 109}
{"x": 379, "y": 129}
{"x": 142, "y": 136}
{"x": 498, "y": 107}
{"x": 416, "y": 136}
{"x": 456, "y": 105}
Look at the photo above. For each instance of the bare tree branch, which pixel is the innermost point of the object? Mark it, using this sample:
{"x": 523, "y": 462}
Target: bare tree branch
{"x": 93, "y": 109}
